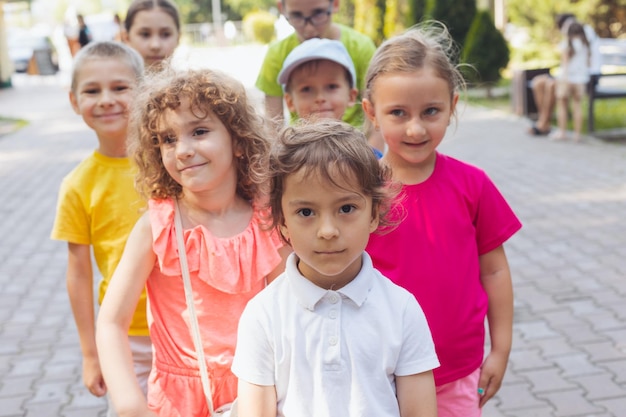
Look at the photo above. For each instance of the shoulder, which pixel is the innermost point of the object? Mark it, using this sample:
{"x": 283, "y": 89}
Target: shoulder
{"x": 455, "y": 166}
{"x": 81, "y": 178}
{"x": 280, "y": 49}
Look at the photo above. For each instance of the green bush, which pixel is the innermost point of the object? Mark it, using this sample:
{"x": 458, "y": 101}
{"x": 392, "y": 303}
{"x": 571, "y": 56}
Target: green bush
{"x": 259, "y": 26}
{"x": 485, "y": 50}
{"x": 457, "y": 15}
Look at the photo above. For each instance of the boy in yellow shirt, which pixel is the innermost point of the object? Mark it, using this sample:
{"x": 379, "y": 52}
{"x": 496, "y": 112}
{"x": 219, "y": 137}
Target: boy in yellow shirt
{"x": 98, "y": 205}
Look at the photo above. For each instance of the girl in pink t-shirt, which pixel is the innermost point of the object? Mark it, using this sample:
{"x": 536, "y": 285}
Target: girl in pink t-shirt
{"x": 200, "y": 149}
{"x": 448, "y": 248}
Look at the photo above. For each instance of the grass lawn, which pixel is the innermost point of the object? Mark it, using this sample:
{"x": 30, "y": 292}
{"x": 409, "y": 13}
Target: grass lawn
{"x": 610, "y": 113}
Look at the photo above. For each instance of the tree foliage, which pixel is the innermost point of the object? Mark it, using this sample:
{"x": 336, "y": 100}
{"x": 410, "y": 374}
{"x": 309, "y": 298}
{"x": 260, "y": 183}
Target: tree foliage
{"x": 485, "y": 50}
{"x": 457, "y": 15}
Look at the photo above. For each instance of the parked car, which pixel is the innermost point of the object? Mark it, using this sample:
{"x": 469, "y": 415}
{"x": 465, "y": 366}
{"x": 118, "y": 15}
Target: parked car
{"x": 24, "y": 45}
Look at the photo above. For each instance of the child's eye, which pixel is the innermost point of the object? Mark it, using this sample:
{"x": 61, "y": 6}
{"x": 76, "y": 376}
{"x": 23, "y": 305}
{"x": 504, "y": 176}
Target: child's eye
{"x": 91, "y": 91}
{"x": 397, "y": 112}
{"x": 144, "y": 34}
{"x": 305, "y": 89}
{"x": 347, "y": 208}
{"x": 333, "y": 86}
{"x": 168, "y": 139}
{"x": 200, "y": 132}
{"x": 166, "y": 35}
{"x": 305, "y": 212}
{"x": 121, "y": 88}
{"x": 431, "y": 111}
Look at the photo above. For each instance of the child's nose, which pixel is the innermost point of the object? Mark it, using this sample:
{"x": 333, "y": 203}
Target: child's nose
{"x": 184, "y": 149}
{"x": 415, "y": 128}
{"x": 155, "y": 42}
{"x": 106, "y": 98}
{"x": 327, "y": 228}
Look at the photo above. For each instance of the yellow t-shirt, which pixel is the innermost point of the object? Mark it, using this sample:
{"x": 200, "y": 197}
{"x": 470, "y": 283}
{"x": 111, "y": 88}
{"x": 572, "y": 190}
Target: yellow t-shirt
{"x": 98, "y": 206}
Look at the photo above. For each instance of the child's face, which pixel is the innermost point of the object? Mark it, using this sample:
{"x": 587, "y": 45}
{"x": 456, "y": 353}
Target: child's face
{"x": 412, "y": 111}
{"x": 328, "y": 227}
{"x": 320, "y": 90}
{"x": 154, "y": 35}
{"x": 103, "y": 94}
{"x": 310, "y": 18}
{"x": 197, "y": 153}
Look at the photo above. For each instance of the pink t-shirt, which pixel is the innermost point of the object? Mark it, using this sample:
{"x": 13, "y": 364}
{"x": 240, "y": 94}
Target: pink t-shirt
{"x": 225, "y": 274}
{"x": 452, "y": 218}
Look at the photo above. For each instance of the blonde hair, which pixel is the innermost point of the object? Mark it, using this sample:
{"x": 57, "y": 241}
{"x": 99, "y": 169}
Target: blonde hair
{"x": 427, "y": 44}
{"x": 333, "y": 151}
{"x": 106, "y": 50}
{"x": 207, "y": 91}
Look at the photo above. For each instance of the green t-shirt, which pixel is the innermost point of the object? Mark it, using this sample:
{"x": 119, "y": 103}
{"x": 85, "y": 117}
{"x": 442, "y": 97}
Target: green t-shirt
{"x": 360, "y": 47}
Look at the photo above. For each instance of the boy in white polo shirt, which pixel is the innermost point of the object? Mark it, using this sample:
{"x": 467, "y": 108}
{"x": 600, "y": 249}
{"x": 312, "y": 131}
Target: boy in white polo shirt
{"x": 331, "y": 336}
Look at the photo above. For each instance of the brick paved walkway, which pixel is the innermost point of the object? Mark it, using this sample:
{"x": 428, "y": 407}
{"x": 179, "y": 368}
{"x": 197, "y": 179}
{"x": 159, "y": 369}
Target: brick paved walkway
{"x": 568, "y": 262}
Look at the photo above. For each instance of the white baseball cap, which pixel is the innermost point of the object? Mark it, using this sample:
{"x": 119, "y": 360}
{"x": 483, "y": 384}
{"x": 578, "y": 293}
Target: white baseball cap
{"x": 313, "y": 49}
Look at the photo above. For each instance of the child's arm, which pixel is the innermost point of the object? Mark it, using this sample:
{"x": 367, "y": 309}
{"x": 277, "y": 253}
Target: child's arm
{"x": 416, "y": 395}
{"x": 496, "y": 279}
{"x": 79, "y": 282}
{"x": 256, "y": 400}
{"x": 115, "y": 317}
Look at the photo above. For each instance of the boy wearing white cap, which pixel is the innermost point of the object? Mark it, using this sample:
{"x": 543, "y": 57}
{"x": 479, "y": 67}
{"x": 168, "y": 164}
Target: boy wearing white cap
{"x": 319, "y": 80}
{"x": 312, "y": 19}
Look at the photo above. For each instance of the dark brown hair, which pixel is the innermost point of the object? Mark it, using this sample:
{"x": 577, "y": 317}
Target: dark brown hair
{"x": 335, "y": 152}
{"x": 137, "y": 6}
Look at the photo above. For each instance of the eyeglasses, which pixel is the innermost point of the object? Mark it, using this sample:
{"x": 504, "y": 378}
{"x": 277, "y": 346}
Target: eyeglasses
{"x": 318, "y": 18}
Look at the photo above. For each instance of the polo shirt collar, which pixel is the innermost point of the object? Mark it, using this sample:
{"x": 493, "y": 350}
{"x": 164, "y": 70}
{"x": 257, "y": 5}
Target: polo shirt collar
{"x": 309, "y": 294}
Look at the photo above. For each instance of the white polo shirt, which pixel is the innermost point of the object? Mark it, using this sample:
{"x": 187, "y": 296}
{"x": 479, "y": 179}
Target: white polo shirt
{"x": 333, "y": 353}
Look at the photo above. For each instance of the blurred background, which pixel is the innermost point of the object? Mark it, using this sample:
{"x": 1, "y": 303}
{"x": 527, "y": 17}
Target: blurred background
{"x": 499, "y": 38}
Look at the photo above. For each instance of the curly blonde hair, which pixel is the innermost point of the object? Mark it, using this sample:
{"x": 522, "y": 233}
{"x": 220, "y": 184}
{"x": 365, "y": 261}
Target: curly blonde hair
{"x": 334, "y": 151}
{"x": 207, "y": 91}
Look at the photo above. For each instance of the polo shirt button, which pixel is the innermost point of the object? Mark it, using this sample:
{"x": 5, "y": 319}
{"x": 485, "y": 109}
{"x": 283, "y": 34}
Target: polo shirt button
{"x": 333, "y": 298}
{"x": 332, "y": 314}
{"x": 332, "y": 341}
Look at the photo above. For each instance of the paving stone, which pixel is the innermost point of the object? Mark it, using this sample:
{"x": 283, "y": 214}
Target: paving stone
{"x": 614, "y": 407}
{"x": 601, "y": 386}
{"x": 617, "y": 368}
{"x": 536, "y": 330}
{"x": 13, "y": 406}
{"x": 571, "y": 403}
{"x": 581, "y": 333}
{"x": 603, "y": 351}
{"x": 519, "y": 396}
{"x": 547, "y": 380}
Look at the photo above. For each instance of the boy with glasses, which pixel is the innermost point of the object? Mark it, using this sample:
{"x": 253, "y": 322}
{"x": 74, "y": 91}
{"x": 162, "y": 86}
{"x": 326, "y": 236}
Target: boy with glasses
{"x": 312, "y": 19}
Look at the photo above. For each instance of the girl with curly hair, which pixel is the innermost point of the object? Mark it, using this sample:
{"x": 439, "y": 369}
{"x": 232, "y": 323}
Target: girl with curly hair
{"x": 202, "y": 154}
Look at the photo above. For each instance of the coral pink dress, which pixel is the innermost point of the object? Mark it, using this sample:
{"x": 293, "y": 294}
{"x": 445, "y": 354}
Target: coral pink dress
{"x": 225, "y": 274}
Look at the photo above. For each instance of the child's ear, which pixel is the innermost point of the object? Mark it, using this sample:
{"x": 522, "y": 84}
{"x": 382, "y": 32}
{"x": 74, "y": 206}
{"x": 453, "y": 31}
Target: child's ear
{"x": 289, "y": 102}
{"x": 284, "y": 231}
{"x": 455, "y": 100}
{"x": 370, "y": 112}
{"x": 375, "y": 219}
{"x": 279, "y": 6}
{"x": 353, "y": 94}
{"x": 335, "y": 6}
{"x": 74, "y": 102}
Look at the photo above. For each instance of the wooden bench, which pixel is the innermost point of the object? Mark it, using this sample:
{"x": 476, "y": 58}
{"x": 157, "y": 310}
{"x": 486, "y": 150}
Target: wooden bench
{"x": 607, "y": 84}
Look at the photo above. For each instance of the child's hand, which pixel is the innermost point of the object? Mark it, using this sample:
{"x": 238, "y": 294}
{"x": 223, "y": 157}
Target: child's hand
{"x": 491, "y": 375}
{"x": 92, "y": 377}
